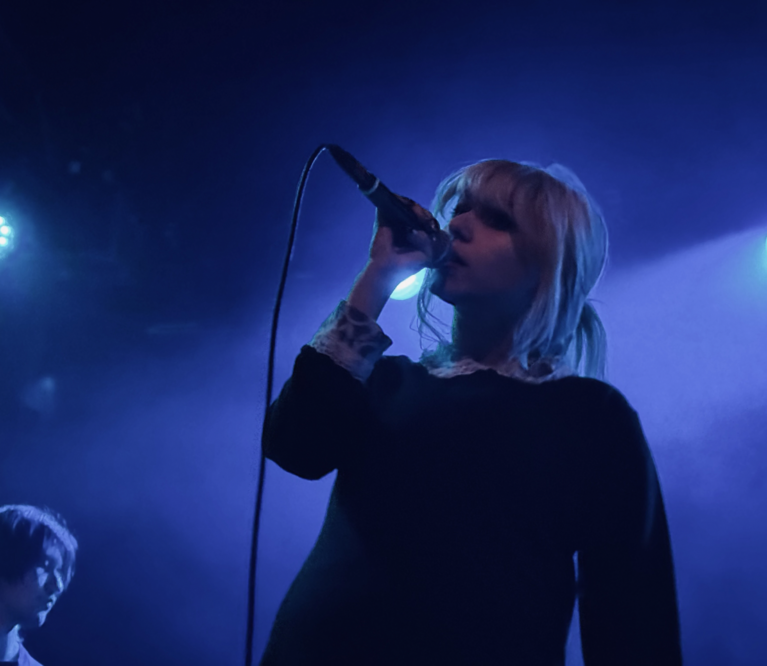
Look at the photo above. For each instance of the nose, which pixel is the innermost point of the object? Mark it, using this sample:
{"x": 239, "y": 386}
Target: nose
{"x": 459, "y": 228}
{"x": 54, "y": 584}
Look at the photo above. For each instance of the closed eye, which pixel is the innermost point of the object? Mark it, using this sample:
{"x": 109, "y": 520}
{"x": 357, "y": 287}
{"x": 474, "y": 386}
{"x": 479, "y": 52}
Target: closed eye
{"x": 460, "y": 208}
{"x": 498, "y": 219}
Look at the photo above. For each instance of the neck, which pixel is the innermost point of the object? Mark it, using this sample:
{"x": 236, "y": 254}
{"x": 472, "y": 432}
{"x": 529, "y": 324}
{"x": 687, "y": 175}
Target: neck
{"x": 9, "y": 644}
{"x": 483, "y": 334}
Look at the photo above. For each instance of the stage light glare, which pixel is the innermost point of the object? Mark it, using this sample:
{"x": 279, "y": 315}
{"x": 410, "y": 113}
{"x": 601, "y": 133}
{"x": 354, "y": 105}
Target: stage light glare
{"x": 6, "y": 237}
{"x": 409, "y": 287}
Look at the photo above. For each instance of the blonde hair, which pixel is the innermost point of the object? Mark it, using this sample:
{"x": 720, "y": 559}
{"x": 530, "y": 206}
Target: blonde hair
{"x": 570, "y": 244}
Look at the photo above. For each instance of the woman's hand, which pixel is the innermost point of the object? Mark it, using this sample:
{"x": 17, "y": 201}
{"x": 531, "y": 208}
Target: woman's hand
{"x": 400, "y": 261}
{"x": 388, "y": 264}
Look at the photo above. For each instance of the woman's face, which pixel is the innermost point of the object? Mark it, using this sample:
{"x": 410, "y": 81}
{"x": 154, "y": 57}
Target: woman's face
{"x": 492, "y": 261}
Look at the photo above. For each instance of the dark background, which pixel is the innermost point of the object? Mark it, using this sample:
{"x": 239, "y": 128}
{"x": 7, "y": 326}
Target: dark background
{"x": 149, "y": 154}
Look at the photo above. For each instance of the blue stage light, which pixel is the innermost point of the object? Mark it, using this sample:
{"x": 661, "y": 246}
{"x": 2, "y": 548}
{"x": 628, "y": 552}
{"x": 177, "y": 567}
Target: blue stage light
{"x": 6, "y": 237}
{"x": 409, "y": 287}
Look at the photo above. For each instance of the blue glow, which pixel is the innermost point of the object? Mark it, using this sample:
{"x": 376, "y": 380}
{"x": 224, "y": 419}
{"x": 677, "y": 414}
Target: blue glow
{"x": 6, "y": 237}
{"x": 409, "y": 287}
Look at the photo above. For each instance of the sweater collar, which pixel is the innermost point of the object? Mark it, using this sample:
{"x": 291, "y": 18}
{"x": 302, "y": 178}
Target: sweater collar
{"x": 440, "y": 364}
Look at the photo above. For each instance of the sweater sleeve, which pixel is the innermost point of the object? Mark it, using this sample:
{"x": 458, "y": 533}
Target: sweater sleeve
{"x": 352, "y": 339}
{"x": 322, "y": 412}
{"x": 627, "y": 602}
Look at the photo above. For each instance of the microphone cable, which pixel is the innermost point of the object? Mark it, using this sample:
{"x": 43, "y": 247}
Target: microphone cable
{"x": 391, "y": 205}
{"x": 250, "y": 634}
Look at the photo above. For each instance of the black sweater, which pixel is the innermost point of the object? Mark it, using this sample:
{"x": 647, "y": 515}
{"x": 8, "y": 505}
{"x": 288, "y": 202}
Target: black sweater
{"x": 456, "y": 511}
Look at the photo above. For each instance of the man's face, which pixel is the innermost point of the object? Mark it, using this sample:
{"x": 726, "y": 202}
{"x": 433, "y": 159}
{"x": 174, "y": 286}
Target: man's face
{"x": 26, "y": 602}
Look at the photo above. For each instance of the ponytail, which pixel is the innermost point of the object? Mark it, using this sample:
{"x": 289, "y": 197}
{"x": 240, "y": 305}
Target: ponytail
{"x": 590, "y": 344}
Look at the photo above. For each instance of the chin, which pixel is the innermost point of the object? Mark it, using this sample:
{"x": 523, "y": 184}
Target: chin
{"x": 449, "y": 297}
{"x": 438, "y": 289}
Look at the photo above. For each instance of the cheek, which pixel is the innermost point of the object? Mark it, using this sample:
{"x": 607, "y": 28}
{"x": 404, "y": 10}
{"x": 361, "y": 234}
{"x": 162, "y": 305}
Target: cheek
{"x": 511, "y": 278}
{"x": 526, "y": 265}
{"x": 507, "y": 270}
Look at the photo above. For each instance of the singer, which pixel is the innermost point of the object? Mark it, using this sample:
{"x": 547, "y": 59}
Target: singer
{"x": 470, "y": 483}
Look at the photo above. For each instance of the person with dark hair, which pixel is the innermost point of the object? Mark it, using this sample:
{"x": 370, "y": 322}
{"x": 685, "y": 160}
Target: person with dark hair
{"x": 37, "y": 562}
{"x": 470, "y": 481}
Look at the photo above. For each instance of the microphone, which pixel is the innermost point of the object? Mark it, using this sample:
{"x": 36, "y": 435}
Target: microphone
{"x": 398, "y": 214}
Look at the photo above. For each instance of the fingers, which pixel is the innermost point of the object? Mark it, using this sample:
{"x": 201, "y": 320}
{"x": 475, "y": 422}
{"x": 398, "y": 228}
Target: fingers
{"x": 412, "y": 248}
{"x": 422, "y": 212}
{"x": 406, "y": 259}
{"x": 420, "y": 242}
{"x": 412, "y": 241}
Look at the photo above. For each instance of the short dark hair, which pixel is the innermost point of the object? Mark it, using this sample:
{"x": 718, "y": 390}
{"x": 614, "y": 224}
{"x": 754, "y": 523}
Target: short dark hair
{"x": 25, "y": 532}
